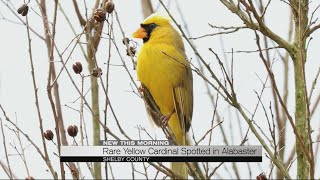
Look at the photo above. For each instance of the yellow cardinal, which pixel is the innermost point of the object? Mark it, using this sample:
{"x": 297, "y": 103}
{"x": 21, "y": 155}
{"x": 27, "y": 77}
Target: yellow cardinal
{"x": 164, "y": 70}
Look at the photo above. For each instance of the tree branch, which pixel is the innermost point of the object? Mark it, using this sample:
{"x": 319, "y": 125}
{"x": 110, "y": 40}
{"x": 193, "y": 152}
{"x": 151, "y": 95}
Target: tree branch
{"x": 80, "y": 18}
{"x": 261, "y": 27}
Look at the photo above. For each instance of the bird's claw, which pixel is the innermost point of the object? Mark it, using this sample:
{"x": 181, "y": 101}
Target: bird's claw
{"x": 165, "y": 119}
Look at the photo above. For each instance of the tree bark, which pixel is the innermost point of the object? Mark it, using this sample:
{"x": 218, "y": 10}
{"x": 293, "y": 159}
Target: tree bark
{"x": 95, "y": 105}
{"x": 300, "y": 116}
{"x": 300, "y": 15}
{"x": 93, "y": 38}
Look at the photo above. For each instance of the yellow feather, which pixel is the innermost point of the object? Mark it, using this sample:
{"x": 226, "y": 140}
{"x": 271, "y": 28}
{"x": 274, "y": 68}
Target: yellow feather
{"x": 163, "y": 69}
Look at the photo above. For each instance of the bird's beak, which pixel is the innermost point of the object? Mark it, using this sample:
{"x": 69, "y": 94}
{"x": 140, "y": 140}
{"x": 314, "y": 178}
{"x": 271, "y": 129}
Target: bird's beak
{"x": 140, "y": 33}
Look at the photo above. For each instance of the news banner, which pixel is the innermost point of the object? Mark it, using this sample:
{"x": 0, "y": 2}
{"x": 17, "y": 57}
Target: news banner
{"x": 158, "y": 151}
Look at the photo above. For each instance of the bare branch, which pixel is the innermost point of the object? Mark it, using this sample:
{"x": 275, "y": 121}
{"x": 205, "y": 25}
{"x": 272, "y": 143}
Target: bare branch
{"x": 261, "y": 27}
{"x": 312, "y": 30}
{"x": 80, "y": 18}
{"x": 147, "y": 8}
{"x": 48, "y": 162}
{"x": 5, "y": 149}
{"x": 218, "y": 33}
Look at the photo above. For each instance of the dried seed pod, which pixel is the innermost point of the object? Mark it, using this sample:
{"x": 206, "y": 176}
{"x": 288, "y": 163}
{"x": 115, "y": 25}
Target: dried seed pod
{"x": 109, "y": 6}
{"x": 262, "y": 176}
{"x": 72, "y": 130}
{"x": 96, "y": 72}
{"x": 132, "y": 50}
{"x": 77, "y": 67}
{"x": 48, "y": 135}
{"x": 99, "y": 15}
{"x": 29, "y": 178}
{"x": 23, "y": 10}
{"x": 125, "y": 40}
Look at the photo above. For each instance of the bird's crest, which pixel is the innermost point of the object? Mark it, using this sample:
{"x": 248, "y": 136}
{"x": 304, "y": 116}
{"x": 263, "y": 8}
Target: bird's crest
{"x": 158, "y": 18}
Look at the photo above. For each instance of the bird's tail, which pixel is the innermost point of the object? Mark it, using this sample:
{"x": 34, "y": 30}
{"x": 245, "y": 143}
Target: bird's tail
{"x": 178, "y": 167}
{"x": 183, "y": 139}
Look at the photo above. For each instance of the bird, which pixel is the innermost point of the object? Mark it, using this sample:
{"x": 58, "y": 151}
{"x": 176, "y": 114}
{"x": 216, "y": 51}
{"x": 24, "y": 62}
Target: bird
{"x": 165, "y": 73}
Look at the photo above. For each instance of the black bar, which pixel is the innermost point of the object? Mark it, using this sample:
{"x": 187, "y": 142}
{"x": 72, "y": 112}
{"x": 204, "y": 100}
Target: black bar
{"x": 160, "y": 159}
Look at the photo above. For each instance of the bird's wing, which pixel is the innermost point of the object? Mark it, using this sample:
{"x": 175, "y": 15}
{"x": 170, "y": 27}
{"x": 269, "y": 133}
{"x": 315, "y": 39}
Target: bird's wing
{"x": 152, "y": 108}
{"x": 183, "y": 97}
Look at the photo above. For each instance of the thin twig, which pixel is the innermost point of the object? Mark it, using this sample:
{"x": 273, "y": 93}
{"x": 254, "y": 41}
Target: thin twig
{"x": 218, "y": 33}
{"x": 55, "y": 175}
{"x": 35, "y": 89}
{"x": 5, "y": 149}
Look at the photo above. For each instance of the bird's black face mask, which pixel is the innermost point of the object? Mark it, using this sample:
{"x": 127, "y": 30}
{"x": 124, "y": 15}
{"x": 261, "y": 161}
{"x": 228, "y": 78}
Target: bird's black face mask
{"x": 148, "y": 28}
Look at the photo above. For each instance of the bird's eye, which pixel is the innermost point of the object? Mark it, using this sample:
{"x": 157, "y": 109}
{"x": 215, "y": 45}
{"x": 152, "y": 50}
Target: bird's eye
{"x": 152, "y": 25}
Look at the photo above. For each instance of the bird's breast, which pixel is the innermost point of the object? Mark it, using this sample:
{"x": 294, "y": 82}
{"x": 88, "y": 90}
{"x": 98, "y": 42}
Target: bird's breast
{"x": 159, "y": 73}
